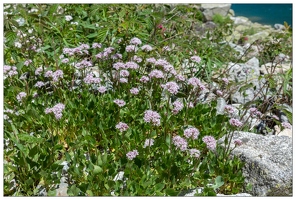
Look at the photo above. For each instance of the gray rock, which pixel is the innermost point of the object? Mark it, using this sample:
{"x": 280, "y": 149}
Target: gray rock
{"x": 211, "y": 9}
{"x": 239, "y": 20}
{"x": 279, "y": 27}
{"x": 245, "y": 73}
{"x": 243, "y": 97}
{"x": 268, "y": 68}
{"x": 221, "y": 103}
{"x": 262, "y": 35}
{"x": 203, "y": 28}
{"x": 286, "y": 132}
{"x": 268, "y": 162}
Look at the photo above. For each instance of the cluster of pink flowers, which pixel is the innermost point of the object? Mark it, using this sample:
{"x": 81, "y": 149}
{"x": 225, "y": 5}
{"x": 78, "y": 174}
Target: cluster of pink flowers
{"x": 96, "y": 45}
{"x": 131, "y": 65}
{"x": 144, "y": 79}
{"x": 180, "y": 77}
{"x": 116, "y": 56}
{"x": 57, "y": 110}
{"x": 102, "y": 89}
{"x": 287, "y": 125}
{"x": 119, "y": 65}
{"x": 21, "y": 95}
{"x": 196, "y": 59}
{"x": 65, "y": 60}
{"x": 152, "y": 117}
{"x": 39, "y": 84}
{"x": 151, "y": 60}
{"x": 27, "y": 62}
{"x": 119, "y": 102}
{"x": 194, "y": 153}
{"x": 210, "y": 142}
{"x": 238, "y": 142}
{"x": 177, "y": 107}
{"x": 148, "y": 143}
{"x": 146, "y": 47}
{"x": 172, "y": 87}
{"x": 196, "y": 82}
{"x": 132, "y": 154}
{"x": 105, "y": 53}
{"x": 235, "y": 122}
{"x": 123, "y": 80}
{"x": 219, "y": 93}
{"x": 82, "y": 49}
{"x": 180, "y": 143}
{"x": 191, "y": 132}
{"x": 134, "y": 91}
{"x": 55, "y": 75}
{"x": 137, "y": 59}
{"x": 161, "y": 62}
{"x": 38, "y": 71}
{"x": 254, "y": 112}
{"x": 226, "y": 81}
{"x": 170, "y": 69}
{"x": 122, "y": 126}
{"x": 135, "y": 41}
{"x": 83, "y": 64}
{"x": 156, "y": 74}
{"x": 10, "y": 71}
{"x": 90, "y": 79}
{"x": 131, "y": 48}
{"x": 229, "y": 109}
{"x": 124, "y": 73}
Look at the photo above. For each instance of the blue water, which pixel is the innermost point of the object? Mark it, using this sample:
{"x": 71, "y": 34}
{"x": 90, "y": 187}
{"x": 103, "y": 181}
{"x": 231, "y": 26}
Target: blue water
{"x": 268, "y": 14}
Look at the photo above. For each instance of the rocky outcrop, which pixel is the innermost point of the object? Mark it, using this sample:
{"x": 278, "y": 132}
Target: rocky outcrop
{"x": 211, "y": 9}
{"x": 245, "y": 72}
{"x": 268, "y": 162}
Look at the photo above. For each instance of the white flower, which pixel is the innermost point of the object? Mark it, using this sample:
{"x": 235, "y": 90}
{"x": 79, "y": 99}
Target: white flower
{"x": 20, "y": 21}
{"x": 18, "y": 44}
{"x": 68, "y": 17}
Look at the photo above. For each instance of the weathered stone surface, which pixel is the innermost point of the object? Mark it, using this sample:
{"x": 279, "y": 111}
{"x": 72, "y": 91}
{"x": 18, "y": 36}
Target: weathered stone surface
{"x": 279, "y": 27}
{"x": 240, "y": 20}
{"x": 262, "y": 35}
{"x": 280, "y": 68}
{"x": 211, "y": 9}
{"x": 286, "y": 132}
{"x": 268, "y": 162}
{"x": 245, "y": 72}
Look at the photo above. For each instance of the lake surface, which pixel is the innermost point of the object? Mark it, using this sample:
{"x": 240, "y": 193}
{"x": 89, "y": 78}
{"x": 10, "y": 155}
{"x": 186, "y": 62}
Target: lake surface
{"x": 268, "y": 14}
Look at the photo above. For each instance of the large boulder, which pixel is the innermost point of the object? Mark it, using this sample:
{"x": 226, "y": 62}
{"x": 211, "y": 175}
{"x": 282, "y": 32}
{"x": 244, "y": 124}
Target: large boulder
{"x": 211, "y": 9}
{"x": 268, "y": 162}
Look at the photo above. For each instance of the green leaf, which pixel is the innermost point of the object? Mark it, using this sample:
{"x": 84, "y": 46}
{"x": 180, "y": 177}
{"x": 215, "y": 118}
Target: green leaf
{"x": 218, "y": 182}
{"x": 100, "y": 162}
{"x": 73, "y": 191}
{"x": 30, "y": 139}
{"x": 92, "y": 35}
{"x": 51, "y": 193}
{"x": 102, "y": 34}
{"x": 33, "y": 151}
{"x": 89, "y": 193}
{"x": 171, "y": 192}
{"x": 159, "y": 186}
{"x": 97, "y": 169}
